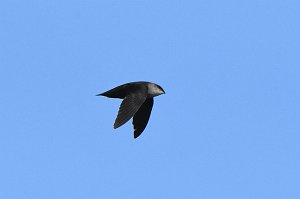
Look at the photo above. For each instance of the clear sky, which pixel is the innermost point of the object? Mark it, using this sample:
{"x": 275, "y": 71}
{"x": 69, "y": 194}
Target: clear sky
{"x": 227, "y": 128}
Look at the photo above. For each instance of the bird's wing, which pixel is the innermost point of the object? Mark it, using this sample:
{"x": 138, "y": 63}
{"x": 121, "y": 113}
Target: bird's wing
{"x": 141, "y": 118}
{"x": 130, "y": 105}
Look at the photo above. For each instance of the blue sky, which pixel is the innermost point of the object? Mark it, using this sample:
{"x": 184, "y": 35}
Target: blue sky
{"x": 228, "y": 127}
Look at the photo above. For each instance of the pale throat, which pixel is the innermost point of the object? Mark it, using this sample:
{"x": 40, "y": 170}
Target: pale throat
{"x": 153, "y": 90}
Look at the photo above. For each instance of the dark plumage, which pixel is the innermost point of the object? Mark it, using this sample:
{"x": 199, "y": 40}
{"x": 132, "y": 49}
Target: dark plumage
{"x": 137, "y": 103}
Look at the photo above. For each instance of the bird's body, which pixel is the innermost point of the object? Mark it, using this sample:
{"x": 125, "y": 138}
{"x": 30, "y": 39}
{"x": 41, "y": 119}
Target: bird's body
{"x": 137, "y": 103}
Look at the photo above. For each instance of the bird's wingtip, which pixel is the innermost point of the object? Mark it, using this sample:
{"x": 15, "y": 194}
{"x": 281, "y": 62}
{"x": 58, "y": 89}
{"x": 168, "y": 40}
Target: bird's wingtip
{"x": 136, "y": 134}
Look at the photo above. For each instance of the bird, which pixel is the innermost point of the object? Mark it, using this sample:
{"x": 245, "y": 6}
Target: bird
{"x": 137, "y": 103}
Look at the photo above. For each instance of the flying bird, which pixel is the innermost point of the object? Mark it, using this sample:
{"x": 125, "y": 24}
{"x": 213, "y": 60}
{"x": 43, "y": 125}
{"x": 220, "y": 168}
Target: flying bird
{"x": 137, "y": 103}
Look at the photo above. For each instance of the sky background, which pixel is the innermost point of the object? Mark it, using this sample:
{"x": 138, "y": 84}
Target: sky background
{"x": 228, "y": 126}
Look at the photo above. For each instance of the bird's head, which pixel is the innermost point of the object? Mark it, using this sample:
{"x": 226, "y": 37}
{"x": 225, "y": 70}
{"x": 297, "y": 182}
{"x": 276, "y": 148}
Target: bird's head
{"x": 155, "y": 90}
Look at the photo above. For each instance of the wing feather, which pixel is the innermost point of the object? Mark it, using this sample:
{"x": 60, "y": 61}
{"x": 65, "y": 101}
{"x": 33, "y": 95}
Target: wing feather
{"x": 141, "y": 117}
{"x": 129, "y": 106}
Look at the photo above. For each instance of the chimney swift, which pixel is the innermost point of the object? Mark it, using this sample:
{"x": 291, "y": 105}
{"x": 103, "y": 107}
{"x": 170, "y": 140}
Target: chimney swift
{"x": 137, "y": 103}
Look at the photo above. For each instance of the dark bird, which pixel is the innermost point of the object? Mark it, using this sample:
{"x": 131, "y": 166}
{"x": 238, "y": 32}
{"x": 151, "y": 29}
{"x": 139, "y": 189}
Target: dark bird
{"x": 137, "y": 103}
